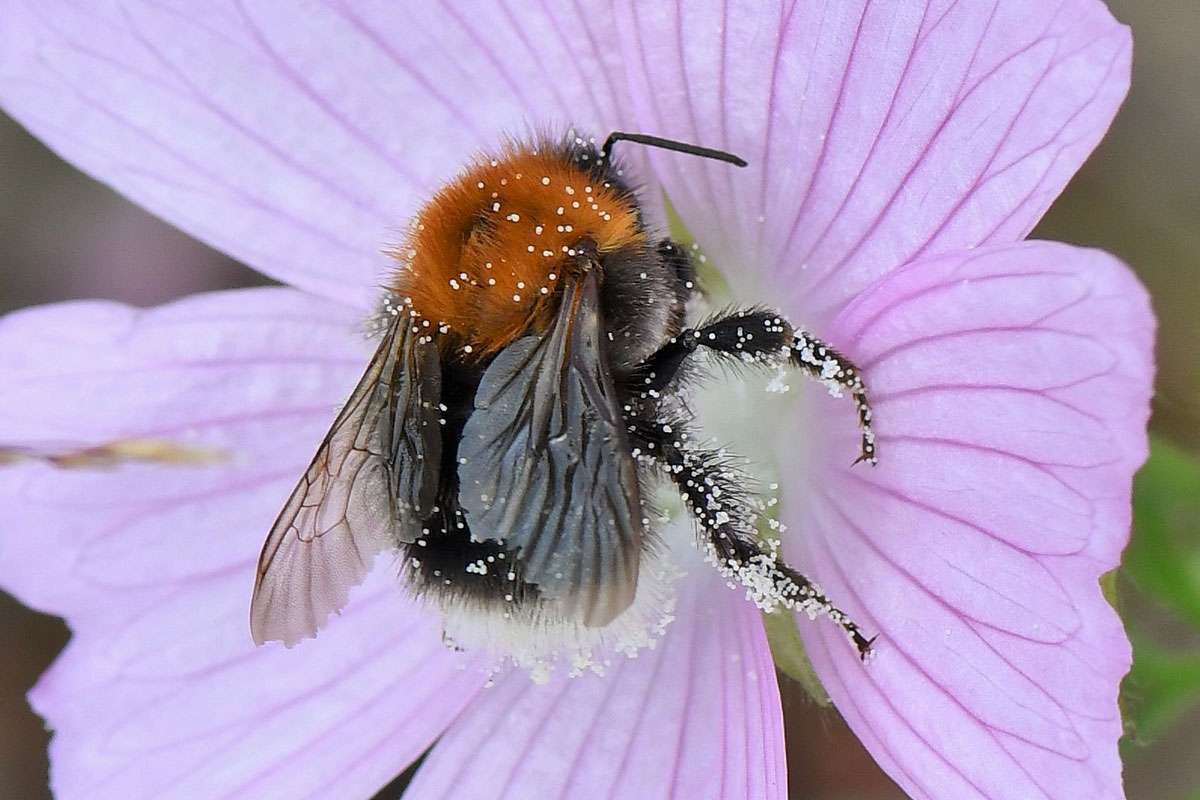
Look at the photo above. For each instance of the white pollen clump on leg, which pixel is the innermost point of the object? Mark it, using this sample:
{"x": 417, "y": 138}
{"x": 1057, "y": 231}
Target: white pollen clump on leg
{"x": 766, "y": 585}
{"x": 778, "y": 383}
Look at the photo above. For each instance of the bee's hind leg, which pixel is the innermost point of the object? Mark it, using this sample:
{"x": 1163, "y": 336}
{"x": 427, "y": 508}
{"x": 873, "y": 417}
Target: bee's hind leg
{"x": 713, "y": 491}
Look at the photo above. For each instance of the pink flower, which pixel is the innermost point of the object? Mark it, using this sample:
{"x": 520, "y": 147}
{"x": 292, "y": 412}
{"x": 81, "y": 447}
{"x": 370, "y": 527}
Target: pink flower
{"x": 899, "y": 153}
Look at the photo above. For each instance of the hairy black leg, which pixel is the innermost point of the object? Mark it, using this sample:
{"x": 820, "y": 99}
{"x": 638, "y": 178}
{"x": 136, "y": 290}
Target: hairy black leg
{"x": 761, "y": 337}
{"x": 713, "y": 491}
{"x": 823, "y": 363}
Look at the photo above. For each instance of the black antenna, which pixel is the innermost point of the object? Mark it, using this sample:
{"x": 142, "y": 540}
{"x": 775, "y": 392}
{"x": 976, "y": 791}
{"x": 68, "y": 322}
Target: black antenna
{"x": 670, "y": 144}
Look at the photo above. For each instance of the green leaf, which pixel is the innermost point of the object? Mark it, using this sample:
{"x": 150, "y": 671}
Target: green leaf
{"x": 1163, "y": 564}
{"x": 1164, "y": 685}
{"x": 1163, "y": 559}
{"x": 1109, "y": 586}
{"x": 787, "y": 649}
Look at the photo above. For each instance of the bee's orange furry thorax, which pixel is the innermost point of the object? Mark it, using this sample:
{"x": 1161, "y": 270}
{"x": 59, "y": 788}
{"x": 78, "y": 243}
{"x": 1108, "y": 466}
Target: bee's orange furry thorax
{"x": 486, "y": 256}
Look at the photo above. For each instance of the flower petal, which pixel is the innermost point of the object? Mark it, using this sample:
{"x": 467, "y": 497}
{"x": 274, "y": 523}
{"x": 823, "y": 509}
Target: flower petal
{"x": 252, "y": 376}
{"x": 696, "y": 717}
{"x": 161, "y": 692}
{"x": 1011, "y": 389}
{"x": 298, "y": 140}
{"x": 876, "y": 132}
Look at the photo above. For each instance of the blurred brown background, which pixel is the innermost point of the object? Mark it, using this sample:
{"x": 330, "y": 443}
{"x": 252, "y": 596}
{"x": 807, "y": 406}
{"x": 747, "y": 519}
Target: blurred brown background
{"x": 64, "y": 236}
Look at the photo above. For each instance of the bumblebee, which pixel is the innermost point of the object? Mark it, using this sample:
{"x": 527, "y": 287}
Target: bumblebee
{"x": 527, "y": 387}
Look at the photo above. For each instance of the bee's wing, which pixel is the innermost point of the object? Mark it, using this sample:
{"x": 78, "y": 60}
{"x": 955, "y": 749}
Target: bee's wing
{"x": 544, "y": 465}
{"x": 409, "y": 431}
{"x": 371, "y": 479}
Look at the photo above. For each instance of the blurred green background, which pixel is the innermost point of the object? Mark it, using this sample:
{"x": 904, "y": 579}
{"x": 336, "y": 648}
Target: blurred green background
{"x": 64, "y": 236}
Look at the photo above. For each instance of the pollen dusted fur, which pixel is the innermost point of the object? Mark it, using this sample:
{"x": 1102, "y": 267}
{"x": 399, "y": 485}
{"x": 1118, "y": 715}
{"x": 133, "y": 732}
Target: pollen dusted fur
{"x": 490, "y": 252}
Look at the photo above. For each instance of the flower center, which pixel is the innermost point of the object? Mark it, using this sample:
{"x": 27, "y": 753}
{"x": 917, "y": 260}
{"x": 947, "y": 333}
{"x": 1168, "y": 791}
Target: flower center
{"x": 759, "y": 419}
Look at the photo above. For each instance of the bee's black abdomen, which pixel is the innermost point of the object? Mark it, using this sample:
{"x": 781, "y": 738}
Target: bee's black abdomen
{"x": 444, "y": 560}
